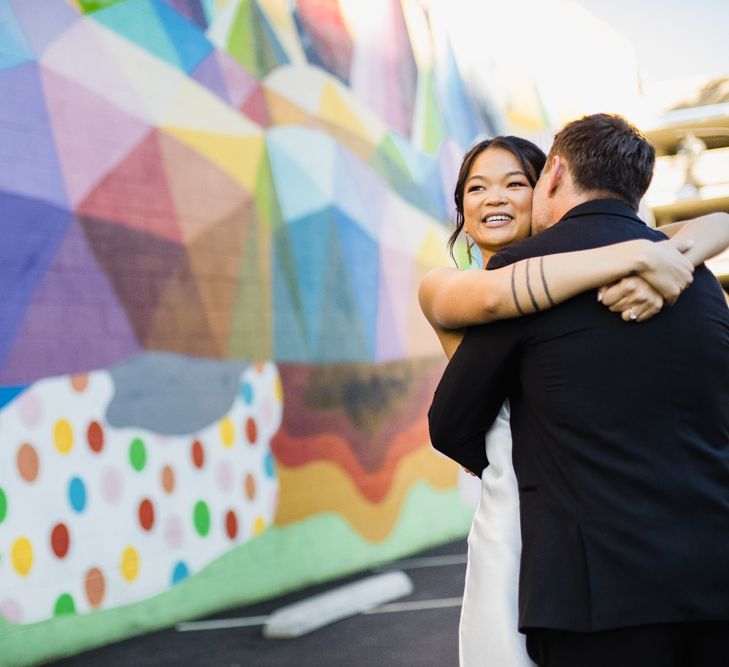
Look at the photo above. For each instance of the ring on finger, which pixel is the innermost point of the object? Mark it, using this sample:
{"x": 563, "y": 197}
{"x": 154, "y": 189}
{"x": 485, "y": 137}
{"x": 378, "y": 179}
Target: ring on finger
{"x": 633, "y": 317}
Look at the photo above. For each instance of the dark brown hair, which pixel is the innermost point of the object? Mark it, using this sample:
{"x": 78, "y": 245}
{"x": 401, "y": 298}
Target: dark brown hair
{"x": 530, "y": 157}
{"x": 606, "y": 154}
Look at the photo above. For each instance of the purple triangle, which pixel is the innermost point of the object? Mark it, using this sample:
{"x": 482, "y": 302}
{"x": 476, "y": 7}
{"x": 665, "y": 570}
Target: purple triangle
{"x": 74, "y": 322}
{"x": 191, "y": 9}
{"x": 29, "y": 166}
{"x": 209, "y": 75}
{"x": 43, "y": 21}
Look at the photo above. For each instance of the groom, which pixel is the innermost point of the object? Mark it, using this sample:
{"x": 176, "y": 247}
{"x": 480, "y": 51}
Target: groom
{"x": 620, "y": 431}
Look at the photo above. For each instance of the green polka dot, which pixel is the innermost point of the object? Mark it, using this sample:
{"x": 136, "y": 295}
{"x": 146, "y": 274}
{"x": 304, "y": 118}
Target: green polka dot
{"x": 3, "y": 505}
{"x": 201, "y": 516}
{"x": 64, "y": 605}
{"x": 138, "y": 454}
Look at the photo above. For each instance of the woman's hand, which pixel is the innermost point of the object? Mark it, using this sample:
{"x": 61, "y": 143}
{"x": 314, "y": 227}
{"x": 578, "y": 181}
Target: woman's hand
{"x": 633, "y": 297}
{"x": 667, "y": 270}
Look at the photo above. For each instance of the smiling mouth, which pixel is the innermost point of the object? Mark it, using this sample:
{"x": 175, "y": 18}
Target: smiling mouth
{"x": 497, "y": 220}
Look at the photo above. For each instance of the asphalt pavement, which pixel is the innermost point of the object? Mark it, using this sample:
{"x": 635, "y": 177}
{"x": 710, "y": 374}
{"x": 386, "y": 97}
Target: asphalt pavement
{"x": 420, "y": 630}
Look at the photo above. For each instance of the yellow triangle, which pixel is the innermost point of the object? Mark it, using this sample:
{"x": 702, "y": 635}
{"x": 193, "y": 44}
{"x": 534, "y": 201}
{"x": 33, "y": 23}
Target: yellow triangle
{"x": 333, "y": 109}
{"x": 237, "y": 156}
{"x": 284, "y": 112}
{"x": 433, "y": 251}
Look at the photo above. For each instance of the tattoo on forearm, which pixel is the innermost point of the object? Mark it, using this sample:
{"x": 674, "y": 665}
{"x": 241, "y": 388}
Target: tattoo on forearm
{"x": 519, "y": 309}
{"x": 529, "y": 287}
{"x": 544, "y": 283}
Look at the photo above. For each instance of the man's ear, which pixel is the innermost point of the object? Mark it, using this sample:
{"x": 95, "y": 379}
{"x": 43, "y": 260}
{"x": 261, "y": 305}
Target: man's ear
{"x": 555, "y": 175}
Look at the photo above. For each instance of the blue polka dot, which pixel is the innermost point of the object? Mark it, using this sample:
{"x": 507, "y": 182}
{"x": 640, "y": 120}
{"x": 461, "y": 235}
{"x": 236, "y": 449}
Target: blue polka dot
{"x": 179, "y": 573}
{"x": 77, "y": 494}
{"x": 246, "y": 391}
{"x": 269, "y": 465}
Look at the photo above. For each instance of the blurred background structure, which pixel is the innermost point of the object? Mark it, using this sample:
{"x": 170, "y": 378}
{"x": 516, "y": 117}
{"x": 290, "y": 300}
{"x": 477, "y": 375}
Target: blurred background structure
{"x": 214, "y": 215}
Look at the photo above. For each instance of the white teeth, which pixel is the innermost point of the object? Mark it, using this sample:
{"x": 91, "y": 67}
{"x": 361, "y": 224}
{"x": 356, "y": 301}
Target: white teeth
{"x": 497, "y": 218}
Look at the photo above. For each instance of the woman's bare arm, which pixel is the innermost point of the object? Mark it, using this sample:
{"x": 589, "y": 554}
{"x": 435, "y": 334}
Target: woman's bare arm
{"x": 454, "y": 298}
{"x": 709, "y": 233}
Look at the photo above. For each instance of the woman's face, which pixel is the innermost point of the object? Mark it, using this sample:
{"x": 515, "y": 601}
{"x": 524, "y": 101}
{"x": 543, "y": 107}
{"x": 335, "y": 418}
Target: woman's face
{"x": 497, "y": 201}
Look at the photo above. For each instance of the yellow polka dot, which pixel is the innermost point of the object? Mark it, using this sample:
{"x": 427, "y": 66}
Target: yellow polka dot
{"x": 21, "y": 556}
{"x": 227, "y": 431}
{"x": 259, "y": 526}
{"x": 129, "y": 565}
{"x": 278, "y": 389}
{"x": 63, "y": 436}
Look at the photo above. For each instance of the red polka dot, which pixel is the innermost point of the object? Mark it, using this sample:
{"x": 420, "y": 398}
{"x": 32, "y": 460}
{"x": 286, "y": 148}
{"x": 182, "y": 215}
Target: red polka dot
{"x": 251, "y": 431}
{"x": 60, "y": 540}
{"x": 95, "y": 437}
{"x": 198, "y": 454}
{"x": 146, "y": 514}
{"x": 231, "y": 524}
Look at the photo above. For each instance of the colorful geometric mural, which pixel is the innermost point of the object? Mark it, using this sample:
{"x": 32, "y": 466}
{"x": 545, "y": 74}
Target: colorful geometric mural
{"x": 214, "y": 217}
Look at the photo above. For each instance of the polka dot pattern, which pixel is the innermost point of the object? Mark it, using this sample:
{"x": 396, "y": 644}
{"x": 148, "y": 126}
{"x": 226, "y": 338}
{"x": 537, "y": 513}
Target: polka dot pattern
{"x": 129, "y": 564}
{"x": 64, "y": 605}
{"x": 227, "y": 432}
{"x": 105, "y": 513}
{"x": 60, "y": 540}
{"x": 28, "y": 463}
{"x": 201, "y": 518}
{"x": 21, "y": 556}
{"x": 138, "y": 454}
{"x": 63, "y": 436}
{"x": 146, "y": 514}
{"x": 198, "y": 455}
{"x": 95, "y": 587}
{"x": 168, "y": 479}
{"x": 77, "y": 494}
{"x": 95, "y": 437}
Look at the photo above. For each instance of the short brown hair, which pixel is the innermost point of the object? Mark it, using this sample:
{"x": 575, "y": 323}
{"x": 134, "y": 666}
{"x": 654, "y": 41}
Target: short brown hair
{"x": 606, "y": 154}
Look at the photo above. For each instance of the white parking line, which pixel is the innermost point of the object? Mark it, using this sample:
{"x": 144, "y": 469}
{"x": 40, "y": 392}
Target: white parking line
{"x": 221, "y": 624}
{"x": 429, "y": 561}
{"x": 416, "y": 605}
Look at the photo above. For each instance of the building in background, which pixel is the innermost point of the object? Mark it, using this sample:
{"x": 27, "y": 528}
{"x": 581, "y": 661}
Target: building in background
{"x": 690, "y": 130}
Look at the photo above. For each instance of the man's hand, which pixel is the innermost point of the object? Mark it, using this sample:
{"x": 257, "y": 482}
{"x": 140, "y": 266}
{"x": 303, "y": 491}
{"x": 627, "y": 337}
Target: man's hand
{"x": 633, "y": 297}
{"x": 667, "y": 269}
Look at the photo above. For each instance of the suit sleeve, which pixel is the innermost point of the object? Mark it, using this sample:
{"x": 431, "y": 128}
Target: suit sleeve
{"x": 472, "y": 390}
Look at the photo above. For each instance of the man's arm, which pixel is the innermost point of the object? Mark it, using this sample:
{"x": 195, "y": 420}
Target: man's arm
{"x": 472, "y": 390}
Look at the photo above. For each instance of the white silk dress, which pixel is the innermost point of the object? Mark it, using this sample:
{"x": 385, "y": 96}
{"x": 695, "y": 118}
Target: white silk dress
{"x": 488, "y": 635}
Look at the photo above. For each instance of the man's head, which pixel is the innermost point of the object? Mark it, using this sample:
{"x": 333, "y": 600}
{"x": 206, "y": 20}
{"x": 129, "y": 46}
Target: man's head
{"x": 601, "y": 156}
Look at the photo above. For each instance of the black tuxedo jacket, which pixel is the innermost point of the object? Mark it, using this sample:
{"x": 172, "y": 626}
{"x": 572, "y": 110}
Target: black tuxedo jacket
{"x": 621, "y": 442}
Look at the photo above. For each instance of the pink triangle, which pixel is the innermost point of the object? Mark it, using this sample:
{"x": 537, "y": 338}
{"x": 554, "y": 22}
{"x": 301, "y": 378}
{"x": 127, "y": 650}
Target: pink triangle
{"x": 136, "y": 193}
{"x": 240, "y": 83}
{"x": 393, "y": 307}
{"x": 75, "y": 321}
{"x": 255, "y": 107}
{"x": 91, "y": 134}
{"x": 80, "y": 55}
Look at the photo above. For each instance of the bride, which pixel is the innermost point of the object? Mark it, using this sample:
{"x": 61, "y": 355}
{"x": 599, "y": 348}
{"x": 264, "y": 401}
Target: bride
{"x": 493, "y": 198}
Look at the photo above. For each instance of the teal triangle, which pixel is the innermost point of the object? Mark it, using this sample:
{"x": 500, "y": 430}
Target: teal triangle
{"x": 310, "y": 238}
{"x": 271, "y": 52}
{"x": 190, "y": 42}
{"x": 362, "y": 260}
{"x": 14, "y": 48}
{"x": 298, "y": 194}
{"x": 289, "y": 337}
{"x": 346, "y": 194}
{"x": 342, "y": 337}
{"x": 139, "y": 22}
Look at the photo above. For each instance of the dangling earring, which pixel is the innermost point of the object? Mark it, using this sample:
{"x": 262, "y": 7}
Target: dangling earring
{"x": 469, "y": 254}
